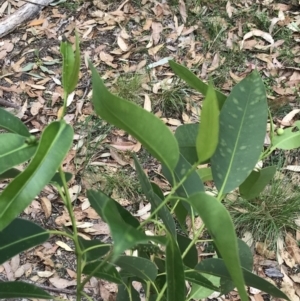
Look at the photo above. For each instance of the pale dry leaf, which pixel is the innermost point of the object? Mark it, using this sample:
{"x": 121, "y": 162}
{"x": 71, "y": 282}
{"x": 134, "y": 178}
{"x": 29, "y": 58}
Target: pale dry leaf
{"x": 9, "y": 273}
{"x": 154, "y": 50}
{"x": 46, "y": 206}
{"x": 156, "y": 31}
{"x": 35, "y": 108}
{"x": 182, "y": 10}
{"x": 147, "y": 103}
{"x": 292, "y": 247}
{"x": 295, "y": 277}
{"x": 45, "y": 274}
{"x": 287, "y": 119}
{"x": 288, "y": 259}
{"x": 262, "y": 249}
{"x": 61, "y": 283}
{"x": 229, "y": 9}
{"x": 295, "y": 168}
{"x": 63, "y": 246}
{"x": 279, "y": 250}
{"x": 15, "y": 262}
{"x": 122, "y": 44}
{"x": 258, "y": 33}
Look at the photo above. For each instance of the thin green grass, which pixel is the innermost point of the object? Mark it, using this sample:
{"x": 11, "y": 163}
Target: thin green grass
{"x": 270, "y": 215}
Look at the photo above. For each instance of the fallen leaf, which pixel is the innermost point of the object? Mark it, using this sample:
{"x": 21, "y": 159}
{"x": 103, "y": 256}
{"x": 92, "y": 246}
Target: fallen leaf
{"x": 61, "y": 283}
{"x": 64, "y": 246}
{"x": 46, "y": 206}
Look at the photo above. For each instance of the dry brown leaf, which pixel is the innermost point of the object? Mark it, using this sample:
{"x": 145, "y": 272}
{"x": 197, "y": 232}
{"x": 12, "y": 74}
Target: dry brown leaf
{"x": 258, "y": 33}
{"x": 46, "y": 206}
{"x": 64, "y": 246}
{"x": 45, "y": 274}
{"x": 292, "y": 247}
{"x": 288, "y": 118}
{"x": 262, "y": 249}
{"x": 182, "y": 10}
{"x": 154, "y": 50}
{"x": 288, "y": 259}
{"x": 229, "y": 9}
{"x": 156, "y": 30}
{"x": 15, "y": 262}
{"x": 61, "y": 283}
{"x": 147, "y": 103}
{"x": 122, "y": 44}
{"x": 36, "y": 22}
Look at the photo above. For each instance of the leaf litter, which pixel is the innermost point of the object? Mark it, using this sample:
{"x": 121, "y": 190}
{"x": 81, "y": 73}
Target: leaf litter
{"x": 122, "y": 39}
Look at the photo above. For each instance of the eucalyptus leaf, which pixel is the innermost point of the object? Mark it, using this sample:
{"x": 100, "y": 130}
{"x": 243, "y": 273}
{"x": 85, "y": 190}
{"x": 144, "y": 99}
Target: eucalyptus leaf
{"x": 154, "y": 199}
{"x": 14, "y": 151}
{"x": 290, "y": 139}
{"x": 54, "y": 144}
{"x": 12, "y": 123}
{"x": 220, "y": 227}
{"x": 192, "y": 80}
{"x": 216, "y": 266}
{"x": 18, "y": 236}
{"x": 93, "y": 249}
{"x": 144, "y": 126}
{"x": 243, "y": 122}
{"x": 205, "y": 174}
{"x": 18, "y": 289}
{"x": 256, "y": 182}
{"x": 175, "y": 272}
{"x": 207, "y": 138}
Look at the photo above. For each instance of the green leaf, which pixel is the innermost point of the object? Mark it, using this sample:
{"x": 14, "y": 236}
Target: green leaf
{"x": 28, "y": 67}
{"x": 56, "y": 179}
{"x": 191, "y": 258}
{"x": 124, "y": 235}
{"x": 290, "y": 139}
{"x": 186, "y": 136}
{"x": 107, "y": 271}
{"x": 174, "y": 271}
{"x": 123, "y": 293}
{"x": 154, "y": 199}
{"x": 256, "y": 182}
{"x": 12, "y": 123}
{"x": 208, "y": 134}
{"x": 10, "y": 173}
{"x": 192, "y": 184}
{"x": 144, "y": 126}
{"x": 93, "y": 249}
{"x": 216, "y": 266}
{"x": 14, "y": 151}
{"x": 18, "y": 236}
{"x": 192, "y": 80}
{"x": 137, "y": 266}
{"x": 200, "y": 292}
{"x": 98, "y": 200}
{"x": 71, "y": 65}
{"x": 195, "y": 277}
{"x": 243, "y": 122}
{"x": 205, "y": 174}
{"x": 17, "y": 289}
{"x": 219, "y": 225}
{"x": 55, "y": 142}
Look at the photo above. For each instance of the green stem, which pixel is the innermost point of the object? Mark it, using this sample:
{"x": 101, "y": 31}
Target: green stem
{"x": 192, "y": 243}
{"x": 170, "y": 195}
{"x": 87, "y": 279}
{"x": 64, "y": 106}
{"x": 161, "y": 293}
{"x": 55, "y": 232}
{"x": 78, "y": 252}
{"x": 86, "y": 295}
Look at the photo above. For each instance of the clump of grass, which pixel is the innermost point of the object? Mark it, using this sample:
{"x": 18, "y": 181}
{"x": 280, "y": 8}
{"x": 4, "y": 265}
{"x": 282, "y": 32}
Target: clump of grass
{"x": 129, "y": 86}
{"x": 270, "y": 215}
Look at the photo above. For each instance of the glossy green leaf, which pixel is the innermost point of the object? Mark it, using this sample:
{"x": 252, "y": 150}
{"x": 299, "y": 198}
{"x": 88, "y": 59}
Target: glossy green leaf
{"x": 191, "y": 258}
{"x": 10, "y": 173}
{"x": 93, "y": 249}
{"x": 192, "y": 80}
{"x": 18, "y": 236}
{"x": 246, "y": 259}
{"x": 55, "y": 142}
{"x": 290, "y": 139}
{"x": 216, "y": 266}
{"x": 98, "y": 199}
{"x": 186, "y": 136}
{"x": 192, "y": 184}
{"x": 208, "y": 135}
{"x": 154, "y": 199}
{"x": 138, "y": 266}
{"x": 17, "y": 289}
{"x": 175, "y": 272}
{"x": 205, "y": 174}
{"x": 107, "y": 271}
{"x": 219, "y": 225}
{"x": 14, "y": 151}
{"x": 124, "y": 235}
{"x": 71, "y": 65}
{"x": 12, "y": 123}
{"x": 123, "y": 293}
{"x": 243, "y": 122}
{"x": 195, "y": 277}
{"x": 13, "y": 172}
{"x": 144, "y": 126}
{"x": 256, "y": 182}
{"x": 199, "y": 292}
